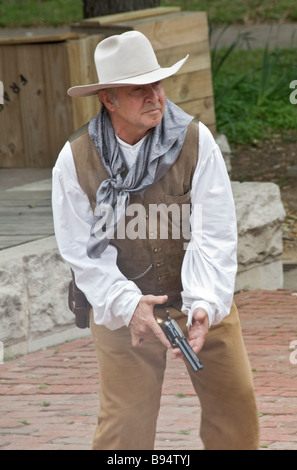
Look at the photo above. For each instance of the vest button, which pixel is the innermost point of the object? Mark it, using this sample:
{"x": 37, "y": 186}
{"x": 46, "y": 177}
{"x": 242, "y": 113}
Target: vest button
{"x": 160, "y": 291}
{"x": 155, "y": 250}
{"x": 160, "y": 278}
{"x": 159, "y": 264}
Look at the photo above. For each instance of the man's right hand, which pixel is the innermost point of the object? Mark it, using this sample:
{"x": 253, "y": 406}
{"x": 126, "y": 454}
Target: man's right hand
{"x": 143, "y": 324}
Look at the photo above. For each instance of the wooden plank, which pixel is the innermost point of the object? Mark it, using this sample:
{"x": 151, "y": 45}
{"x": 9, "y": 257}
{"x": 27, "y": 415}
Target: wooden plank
{"x": 33, "y": 179}
{"x": 189, "y": 86}
{"x": 175, "y": 29}
{"x": 38, "y": 39}
{"x": 59, "y": 107}
{"x": 199, "y": 57}
{"x": 74, "y": 67}
{"x": 83, "y": 72}
{"x": 202, "y": 109}
{"x": 33, "y": 106}
{"x": 11, "y": 132}
{"x": 193, "y": 95}
{"x": 29, "y": 223}
{"x": 9, "y": 241}
{"x": 25, "y": 216}
{"x": 24, "y": 201}
{"x": 130, "y": 15}
{"x": 88, "y": 76}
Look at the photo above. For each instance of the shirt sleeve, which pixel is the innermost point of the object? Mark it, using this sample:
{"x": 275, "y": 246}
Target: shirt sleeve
{"x": 112, "y": 296}
{"x": 210, "y": 261}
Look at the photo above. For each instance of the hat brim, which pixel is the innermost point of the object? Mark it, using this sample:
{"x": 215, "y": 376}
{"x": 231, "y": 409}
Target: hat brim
{"x": 143, "y": 79}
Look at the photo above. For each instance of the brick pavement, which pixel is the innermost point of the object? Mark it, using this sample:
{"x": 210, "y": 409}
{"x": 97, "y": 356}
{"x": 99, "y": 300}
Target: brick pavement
{"x": 49, "y": 401}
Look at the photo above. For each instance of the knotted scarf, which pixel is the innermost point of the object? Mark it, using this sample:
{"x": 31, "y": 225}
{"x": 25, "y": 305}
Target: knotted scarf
{"x": 158, "y": 152}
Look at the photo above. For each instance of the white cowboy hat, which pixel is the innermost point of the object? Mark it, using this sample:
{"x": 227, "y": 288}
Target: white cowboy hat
{"x": 125, "y": 59}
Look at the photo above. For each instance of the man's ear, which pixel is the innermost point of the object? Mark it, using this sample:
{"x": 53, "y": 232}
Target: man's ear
{"x": 107, "y": 99}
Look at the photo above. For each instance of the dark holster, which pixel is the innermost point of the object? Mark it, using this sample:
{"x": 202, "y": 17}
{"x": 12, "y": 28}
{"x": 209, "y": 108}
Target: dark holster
{"x": 79, "y": 305}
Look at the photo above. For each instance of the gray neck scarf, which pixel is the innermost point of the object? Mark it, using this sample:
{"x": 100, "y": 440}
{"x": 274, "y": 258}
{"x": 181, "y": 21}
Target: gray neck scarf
{"x": 158, "y": 152}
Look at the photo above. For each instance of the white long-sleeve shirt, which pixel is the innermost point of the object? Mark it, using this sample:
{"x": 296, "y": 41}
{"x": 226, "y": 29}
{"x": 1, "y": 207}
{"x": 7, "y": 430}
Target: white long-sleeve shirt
{"x": 209, "y": 265}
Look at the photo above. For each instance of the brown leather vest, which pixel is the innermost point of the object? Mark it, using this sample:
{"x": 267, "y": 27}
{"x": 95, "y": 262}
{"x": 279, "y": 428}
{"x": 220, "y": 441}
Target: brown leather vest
{"x": 157, "y": 229}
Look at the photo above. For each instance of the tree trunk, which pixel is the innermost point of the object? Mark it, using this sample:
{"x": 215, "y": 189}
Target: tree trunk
{"x": 94, "y": 8}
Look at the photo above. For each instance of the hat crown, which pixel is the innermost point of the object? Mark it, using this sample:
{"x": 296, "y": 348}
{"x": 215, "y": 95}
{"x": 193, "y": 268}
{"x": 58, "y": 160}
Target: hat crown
{"x": 124, "y": 56}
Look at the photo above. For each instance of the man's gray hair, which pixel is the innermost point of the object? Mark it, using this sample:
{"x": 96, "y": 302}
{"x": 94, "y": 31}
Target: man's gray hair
{"x": 113, "y": 94}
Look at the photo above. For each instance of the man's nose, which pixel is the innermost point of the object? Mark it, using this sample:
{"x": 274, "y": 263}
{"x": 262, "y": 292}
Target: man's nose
{"x": 151, "y": 94}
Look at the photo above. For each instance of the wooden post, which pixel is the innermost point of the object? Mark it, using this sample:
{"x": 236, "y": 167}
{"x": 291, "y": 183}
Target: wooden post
{"x": 38, "y": 116}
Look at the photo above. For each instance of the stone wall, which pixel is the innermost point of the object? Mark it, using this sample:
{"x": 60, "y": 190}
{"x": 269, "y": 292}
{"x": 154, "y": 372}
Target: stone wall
{"x": 33, "y": 298}
{"x": 260, "y": 214}
{"x": 34, "y": 279}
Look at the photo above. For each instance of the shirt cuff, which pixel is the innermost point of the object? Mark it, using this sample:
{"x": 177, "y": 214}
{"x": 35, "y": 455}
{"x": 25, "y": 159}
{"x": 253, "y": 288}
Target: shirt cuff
{"x": 124, "y": 306}
{"x": 199, "y": 304}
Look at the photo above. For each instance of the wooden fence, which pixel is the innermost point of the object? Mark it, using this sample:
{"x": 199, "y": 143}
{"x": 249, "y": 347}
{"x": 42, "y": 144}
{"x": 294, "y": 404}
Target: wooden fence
{"x": 37, "y": 115}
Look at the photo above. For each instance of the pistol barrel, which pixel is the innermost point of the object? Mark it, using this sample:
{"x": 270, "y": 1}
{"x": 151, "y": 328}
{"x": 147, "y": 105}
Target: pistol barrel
{"x": 189, "y": 354}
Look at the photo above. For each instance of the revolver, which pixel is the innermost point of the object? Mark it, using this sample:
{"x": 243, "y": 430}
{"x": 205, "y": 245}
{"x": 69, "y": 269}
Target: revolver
{"x": 178, "y": 340}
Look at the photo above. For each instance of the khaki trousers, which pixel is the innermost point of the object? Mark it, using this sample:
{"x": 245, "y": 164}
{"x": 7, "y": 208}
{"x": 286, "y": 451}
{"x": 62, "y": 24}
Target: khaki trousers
{"x": 131, "y": 384}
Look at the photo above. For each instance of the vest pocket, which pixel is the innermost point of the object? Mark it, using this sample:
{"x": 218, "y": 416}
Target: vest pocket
{"x": 181, "y": 211}
{"x": 176, "y": 199}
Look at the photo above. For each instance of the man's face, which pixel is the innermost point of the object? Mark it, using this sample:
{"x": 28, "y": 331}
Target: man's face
{"x": 137, "y": 109}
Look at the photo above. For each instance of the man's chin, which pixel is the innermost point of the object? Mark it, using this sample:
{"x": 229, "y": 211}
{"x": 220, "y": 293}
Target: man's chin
{"x": 153, "y": 119}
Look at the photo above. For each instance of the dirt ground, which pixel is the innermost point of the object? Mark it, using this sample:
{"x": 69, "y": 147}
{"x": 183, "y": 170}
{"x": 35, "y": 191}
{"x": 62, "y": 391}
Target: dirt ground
{"x": 270, "y": 162}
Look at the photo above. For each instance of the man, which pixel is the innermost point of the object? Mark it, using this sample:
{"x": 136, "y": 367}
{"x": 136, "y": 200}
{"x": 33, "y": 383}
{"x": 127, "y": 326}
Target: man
{"x": 142, "y": 166}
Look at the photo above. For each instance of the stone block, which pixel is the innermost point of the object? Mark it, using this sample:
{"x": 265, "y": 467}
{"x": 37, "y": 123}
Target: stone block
{"x": 224, "y": 147}
{"x": 260, "y": 214}
{"x": 33, "y": 298}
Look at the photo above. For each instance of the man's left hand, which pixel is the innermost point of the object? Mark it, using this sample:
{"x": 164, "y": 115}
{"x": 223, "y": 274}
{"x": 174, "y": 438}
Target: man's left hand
{"x": 197, "y": 332}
